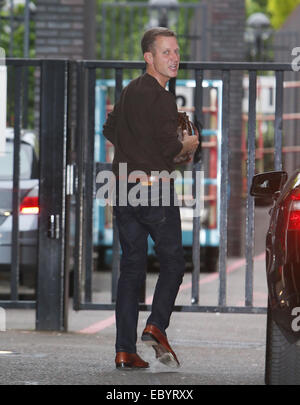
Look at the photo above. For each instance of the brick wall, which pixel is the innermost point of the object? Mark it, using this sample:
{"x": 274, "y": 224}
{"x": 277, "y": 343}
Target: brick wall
{"x": 65, "y": 29}
{"x": 226, "y": 43}
{"x": 62, "y": 30}
{"x": 285, "y": 39}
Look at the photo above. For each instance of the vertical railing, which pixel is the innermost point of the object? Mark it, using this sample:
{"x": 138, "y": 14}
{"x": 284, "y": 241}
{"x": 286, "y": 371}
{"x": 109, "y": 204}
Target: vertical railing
{"x": 51, "y": 300}
{"x": 89, "y": 181}
{"x": 278, "y": 120}
{"x": 198, "y": 102}
{"x": 81, "y": 118}
{"x": 116, "y": 242}
{"x": 250, "y": 201}
{"x": 224, "y": 187}
{"x": 15, "y": 251}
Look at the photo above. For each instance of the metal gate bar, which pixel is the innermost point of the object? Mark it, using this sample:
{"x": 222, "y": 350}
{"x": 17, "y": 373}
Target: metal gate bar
{"x": 14, "y": 274}
{"x": 79, "y": 144}
{"x": 182, "y": 308}
{"x": 250, "y": 200}
{"x": 89, "y": 181}
{"x": 51, "y": 301}
{"x": 116, "y": 242}
{"x": 278, "y": 119}
{"x": 198, "y": 102}
{"x": 224, "y": 187}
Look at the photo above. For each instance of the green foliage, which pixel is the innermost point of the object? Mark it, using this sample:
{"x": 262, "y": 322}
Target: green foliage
{"x": 17, "y": 51}
{"x": 18, "y": 34}
{"x": 256, "y": 6}
{"x": 120, "y": 30}
{"x": 280, "y": 10}
{"x": 277, "y": 10}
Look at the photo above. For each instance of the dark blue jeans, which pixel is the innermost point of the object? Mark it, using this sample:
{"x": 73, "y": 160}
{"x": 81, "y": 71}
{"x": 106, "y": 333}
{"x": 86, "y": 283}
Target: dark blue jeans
{"x": 135, "y": 224}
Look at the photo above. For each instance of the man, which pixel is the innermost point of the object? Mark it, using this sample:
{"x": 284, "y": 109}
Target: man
{"x": 143, "y": 127}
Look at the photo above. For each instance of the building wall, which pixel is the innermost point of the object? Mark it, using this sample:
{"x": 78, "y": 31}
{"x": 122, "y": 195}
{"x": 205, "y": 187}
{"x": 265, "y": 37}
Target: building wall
{"x": 65, "y": 29}
{"x": 226, "y": 43}
{"x": 285, "y": 39}
{"x": 62, "y": 30}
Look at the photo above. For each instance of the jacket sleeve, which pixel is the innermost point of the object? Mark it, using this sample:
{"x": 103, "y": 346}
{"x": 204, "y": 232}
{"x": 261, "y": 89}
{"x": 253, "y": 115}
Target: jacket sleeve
{"x": 166, "y": 118}
{"x": 110, "y": 125}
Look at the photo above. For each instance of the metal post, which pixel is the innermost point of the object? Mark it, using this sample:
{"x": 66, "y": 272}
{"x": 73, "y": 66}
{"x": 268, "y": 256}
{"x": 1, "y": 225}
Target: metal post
{"x": 25, "y": 69}
{"x": 198, "y": 102}
{"x": 51, "y": 277}
{"x": 278, "y": 120}
{"x": 224, "y": 186}
{"x": 15, "y": 259}
{"x": 78, "y": 253}
{"x": 116, "y": 241}
{"x": 250, "y": 200}
{"x": 89, "y": 176}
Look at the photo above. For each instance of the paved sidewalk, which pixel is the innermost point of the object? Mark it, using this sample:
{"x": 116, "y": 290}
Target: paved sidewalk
{"x": 212, "y": 348}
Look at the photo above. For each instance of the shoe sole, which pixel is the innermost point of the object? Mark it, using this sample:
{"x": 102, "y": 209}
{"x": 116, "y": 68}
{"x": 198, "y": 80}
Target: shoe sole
{"x": 162, "y": 354}
{"x": 127, "y": 367}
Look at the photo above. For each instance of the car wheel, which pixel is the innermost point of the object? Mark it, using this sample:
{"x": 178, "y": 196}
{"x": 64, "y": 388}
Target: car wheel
{"x": 282, "y": 357}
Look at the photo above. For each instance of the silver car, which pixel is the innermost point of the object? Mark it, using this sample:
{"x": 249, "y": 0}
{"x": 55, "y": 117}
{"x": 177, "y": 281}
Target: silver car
{"x": 29, "y": 204}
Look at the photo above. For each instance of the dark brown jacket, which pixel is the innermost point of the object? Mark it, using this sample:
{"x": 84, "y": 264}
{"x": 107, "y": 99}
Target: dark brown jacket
{"x": 142, "y": 127}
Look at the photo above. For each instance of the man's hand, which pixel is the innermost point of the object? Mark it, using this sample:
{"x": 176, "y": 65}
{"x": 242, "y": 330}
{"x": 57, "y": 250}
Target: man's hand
{"x": 190, "y": 143}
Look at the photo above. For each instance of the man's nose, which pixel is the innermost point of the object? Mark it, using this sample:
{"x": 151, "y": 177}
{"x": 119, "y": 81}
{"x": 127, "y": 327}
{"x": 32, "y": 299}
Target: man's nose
{"x": 175, "y": 57}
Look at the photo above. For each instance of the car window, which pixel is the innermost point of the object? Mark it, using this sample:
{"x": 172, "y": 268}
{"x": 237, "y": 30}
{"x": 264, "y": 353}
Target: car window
{"x": 7, "y": 158}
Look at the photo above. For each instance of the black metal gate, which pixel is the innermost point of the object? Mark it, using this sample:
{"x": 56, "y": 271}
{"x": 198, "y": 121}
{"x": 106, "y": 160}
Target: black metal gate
{"x": 47, "y": 118}
{"x": 87, "y": 168}
{"x": 66, "y": 128}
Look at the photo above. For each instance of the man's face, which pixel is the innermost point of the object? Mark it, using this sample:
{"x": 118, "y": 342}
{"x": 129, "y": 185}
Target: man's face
{"x": 164, "y": 58}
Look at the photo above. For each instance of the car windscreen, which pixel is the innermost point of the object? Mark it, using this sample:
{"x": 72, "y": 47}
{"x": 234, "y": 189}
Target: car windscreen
{"x": 7, "y": 159}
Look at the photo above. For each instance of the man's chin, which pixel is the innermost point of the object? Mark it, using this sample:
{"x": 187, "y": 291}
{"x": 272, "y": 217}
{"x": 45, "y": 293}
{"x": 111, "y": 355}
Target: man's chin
{"x": 173, "y": 74}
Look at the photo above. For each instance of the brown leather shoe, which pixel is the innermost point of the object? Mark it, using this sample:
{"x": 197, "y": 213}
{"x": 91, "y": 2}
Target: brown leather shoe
{"x": 126, "y": 360}
{"x": 152, "y": 336}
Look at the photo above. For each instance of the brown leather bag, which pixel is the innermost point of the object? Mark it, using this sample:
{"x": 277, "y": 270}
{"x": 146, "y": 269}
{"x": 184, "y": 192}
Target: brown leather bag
{"x": 184, "y": 124}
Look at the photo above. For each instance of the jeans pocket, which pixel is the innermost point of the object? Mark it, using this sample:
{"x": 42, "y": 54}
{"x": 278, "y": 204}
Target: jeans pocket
{"x": 152, "y": 215}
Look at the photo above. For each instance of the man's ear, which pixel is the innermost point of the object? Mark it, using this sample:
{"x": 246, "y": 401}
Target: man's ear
{"x": 148, "y": 58}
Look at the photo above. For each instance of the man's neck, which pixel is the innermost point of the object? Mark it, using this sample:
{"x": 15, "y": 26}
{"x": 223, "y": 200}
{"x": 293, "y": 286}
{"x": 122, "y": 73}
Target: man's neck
{"x": 161, "y": 80}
